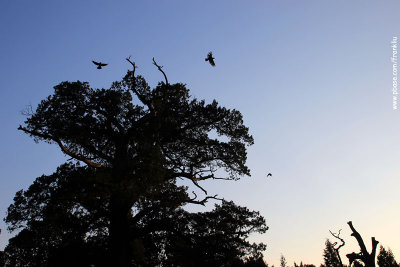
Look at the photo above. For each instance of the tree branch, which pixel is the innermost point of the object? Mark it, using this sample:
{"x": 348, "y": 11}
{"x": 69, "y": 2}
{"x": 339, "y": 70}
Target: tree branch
{"x": 374, "y": 245}
{"x": 359, "y": 238}
{"x": 203, "y": 201}
{"x": 144, "y": 101}
{"x": 341, "y": 245}
{"x": 354, "y": 256}
{"x": 201, "y": 188}
{"x": 367, "y": 258}
{"x": 63, "y": 148}
{"x": 133, "y": 65}
{"x": 160, "y": 69}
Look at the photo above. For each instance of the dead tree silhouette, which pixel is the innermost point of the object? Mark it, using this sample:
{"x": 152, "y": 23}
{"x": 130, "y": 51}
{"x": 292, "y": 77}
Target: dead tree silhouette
{"x": 367, "y": 258}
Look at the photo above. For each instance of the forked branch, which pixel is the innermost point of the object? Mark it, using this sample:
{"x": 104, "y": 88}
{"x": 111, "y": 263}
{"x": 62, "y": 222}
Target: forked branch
{"x": 133, "y": 65}
{"x": 341, "y": 245}
{"x": 367, "y": 258}
{"x": 203, "y": 201}
{"x": 141, "y": 98}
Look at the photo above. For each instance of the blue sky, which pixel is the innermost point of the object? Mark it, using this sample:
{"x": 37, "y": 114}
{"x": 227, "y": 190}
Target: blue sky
{"x": 312, "y": 79}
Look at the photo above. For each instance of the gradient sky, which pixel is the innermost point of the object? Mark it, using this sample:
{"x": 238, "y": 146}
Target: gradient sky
{"x": 312, "y": 79}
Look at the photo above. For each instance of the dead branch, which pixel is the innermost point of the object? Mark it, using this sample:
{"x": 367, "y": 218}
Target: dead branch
{"x": 341, "y": 245}
{"x": 144, "y": 101}
{"x": 133, "y": 65}
{"x": 374, "y": 246}
{"x": 354, "y": 256}
{"x": 367, "y": 258}
{"x": 160, "y": 69}
{"x": 358, "y": 238}
{"x": 338, "y": 237}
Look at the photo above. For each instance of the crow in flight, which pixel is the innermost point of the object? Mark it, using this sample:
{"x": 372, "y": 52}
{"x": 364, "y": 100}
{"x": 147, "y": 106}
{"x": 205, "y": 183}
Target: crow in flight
{"x": 99, "y": 64}
{"x": 269, "y": 174}
{"x": 210, "y": 59}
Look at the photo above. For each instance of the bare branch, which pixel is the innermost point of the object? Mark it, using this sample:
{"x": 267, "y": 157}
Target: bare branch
{"x": 367, "y": 258}
{"x": 359, "y": 238}
{"x": 341, "y": 245}
{"x": 133, "y": 65}
{"x": 189, "y": 175}
{"x": 201, "y": 188}
{"x": 354, "y": 256}
{"x": 204, "y": 200}
{"x": 144, "y": 101}
{"x": 195, "y": 196}
{"x": 338, "y": 237}
{"x": 221, "y": 178}
{"x": 374, "y": 245}
{"x": 63, "y": 148}
{"x": 160, "y": 69}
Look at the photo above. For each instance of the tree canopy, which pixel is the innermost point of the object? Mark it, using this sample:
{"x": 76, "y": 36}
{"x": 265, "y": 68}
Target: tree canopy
{"x": 135, "y": 142}
{"x": 64, "y": 223}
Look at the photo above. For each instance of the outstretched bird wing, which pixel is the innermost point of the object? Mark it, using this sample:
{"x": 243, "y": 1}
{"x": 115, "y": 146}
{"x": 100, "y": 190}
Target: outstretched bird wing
{"x": 99, "y": 63}
{"x": 210, "y": 59}
{"x": 212, "y": 62}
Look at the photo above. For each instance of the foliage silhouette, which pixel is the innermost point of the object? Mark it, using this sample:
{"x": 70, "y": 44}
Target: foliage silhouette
{"x": 357, "y": 263}
{"x": 337, "y": 246}
{"x": 136, "y": 142}
{"x": 1, "y": 258}
{"x": 283, "y": 261}
{"x": 303, "y": 265}
{"x": 386, "y": 258}
{"x": 61, "y": 215}
{"x": 63, "y": 221}
{"x": 331, "y": 258}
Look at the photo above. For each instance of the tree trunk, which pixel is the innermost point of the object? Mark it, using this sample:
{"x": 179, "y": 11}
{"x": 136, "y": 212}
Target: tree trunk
{"x": 120, "y": 254}
{"x": 367, "y": 258}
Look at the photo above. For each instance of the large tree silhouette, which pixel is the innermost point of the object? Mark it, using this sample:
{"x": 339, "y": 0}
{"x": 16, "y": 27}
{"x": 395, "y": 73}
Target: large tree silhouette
{"x": 64, "y": 223}
{"x": 135, "y": 141}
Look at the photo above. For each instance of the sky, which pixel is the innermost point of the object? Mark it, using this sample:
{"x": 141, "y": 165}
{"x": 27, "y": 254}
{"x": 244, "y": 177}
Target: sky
{"x": 313, "y": 80}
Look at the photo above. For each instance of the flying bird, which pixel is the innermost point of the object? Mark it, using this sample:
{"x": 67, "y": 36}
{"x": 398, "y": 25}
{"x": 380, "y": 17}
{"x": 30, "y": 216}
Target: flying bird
{"x": 99, "y": 64}
{"x": 210, "y": 59}
{"x": 269, "y": 174}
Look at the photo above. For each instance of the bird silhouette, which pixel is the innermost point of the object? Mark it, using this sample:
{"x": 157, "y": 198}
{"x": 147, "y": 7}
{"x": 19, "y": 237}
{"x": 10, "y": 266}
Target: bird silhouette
{"x": 99, "y": 64}
{"x": 210, "y": 59}
{"x": 269, "y": 174}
